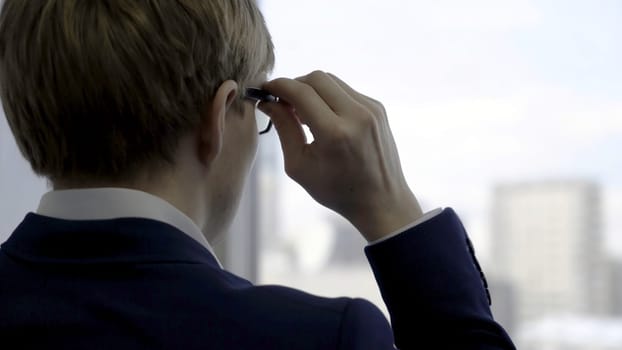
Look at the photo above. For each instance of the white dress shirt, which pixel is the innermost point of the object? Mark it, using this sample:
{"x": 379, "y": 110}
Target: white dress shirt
{"x": 427, "y": 216}
{"x": 114, "y": 203}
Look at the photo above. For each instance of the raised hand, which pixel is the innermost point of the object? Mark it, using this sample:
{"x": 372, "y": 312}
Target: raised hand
{"x": 352, "y": 166}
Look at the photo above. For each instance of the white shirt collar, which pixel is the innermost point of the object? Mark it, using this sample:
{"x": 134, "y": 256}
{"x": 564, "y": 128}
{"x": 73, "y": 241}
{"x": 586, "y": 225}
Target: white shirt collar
{"x": 113, "y": 203}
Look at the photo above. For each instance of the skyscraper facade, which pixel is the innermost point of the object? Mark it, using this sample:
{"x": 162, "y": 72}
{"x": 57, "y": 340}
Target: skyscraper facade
{"x": 547, "y": 244}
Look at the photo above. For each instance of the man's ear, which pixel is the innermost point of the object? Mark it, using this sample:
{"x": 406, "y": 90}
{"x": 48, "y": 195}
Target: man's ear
{"x": 212, "y": 127}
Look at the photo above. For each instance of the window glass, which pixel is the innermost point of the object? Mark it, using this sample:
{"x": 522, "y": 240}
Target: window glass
{"x": 508, "y": 111}
{"x": 20, "y": 189}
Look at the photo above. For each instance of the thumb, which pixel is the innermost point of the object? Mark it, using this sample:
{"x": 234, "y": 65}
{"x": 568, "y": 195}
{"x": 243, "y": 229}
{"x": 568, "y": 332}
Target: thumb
{"x": 288, "y": 126}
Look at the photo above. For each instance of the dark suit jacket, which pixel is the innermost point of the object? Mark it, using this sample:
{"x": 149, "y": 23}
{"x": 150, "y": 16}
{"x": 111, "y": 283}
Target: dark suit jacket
{"x": 141, "y": 284}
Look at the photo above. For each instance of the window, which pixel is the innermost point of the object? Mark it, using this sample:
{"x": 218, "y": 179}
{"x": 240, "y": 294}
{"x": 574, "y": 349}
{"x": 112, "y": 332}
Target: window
{"x": 508, "y": 111}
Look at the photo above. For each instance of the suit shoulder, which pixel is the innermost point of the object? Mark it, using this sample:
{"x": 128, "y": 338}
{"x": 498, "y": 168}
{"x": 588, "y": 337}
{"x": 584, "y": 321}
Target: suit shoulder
{"x": 364, "y": 326}
{"x": 354, "y": 322}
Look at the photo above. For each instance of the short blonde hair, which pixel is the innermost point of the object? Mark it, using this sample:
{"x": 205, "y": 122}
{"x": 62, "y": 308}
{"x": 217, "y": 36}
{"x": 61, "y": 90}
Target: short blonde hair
{"x": 99, "y": 90}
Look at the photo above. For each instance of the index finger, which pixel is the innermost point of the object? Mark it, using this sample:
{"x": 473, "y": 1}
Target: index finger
{"x": 310, "y": 107}
{"x": 331, "y": 92}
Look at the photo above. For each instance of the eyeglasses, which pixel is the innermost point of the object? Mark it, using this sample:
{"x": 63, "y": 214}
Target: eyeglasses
{"x": 264, "y": 124}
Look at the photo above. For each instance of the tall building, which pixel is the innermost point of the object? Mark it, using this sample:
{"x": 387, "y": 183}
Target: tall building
{"x": 547, "y": 243}
{"x": 503, "y": 303}
{"x": 615, "y": 287}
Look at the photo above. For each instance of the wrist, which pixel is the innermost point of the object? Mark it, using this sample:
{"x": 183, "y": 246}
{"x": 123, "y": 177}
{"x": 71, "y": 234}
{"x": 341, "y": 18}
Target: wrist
{"x": 384, "y": 219}
{"x": 426, "y": 217}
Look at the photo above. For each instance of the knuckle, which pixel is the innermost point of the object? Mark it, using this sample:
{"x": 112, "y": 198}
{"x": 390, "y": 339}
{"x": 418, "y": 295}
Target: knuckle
{"x": 305, "y": 89}
{"x": 366, "y": 114}
{"x": 316, "y": 74}
{"x": 278, "y": 81}
{"x": 314, "y": 77}
{"x": 277, "y": 84}
{"x": 378, "y": 112}
{"x": 368, "y": 121}
{"x": 378, "y": 106}
{"x": 381, "y": 112}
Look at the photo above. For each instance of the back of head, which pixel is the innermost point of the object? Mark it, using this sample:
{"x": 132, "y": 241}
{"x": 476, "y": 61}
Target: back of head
{"x": 99, "y": 90}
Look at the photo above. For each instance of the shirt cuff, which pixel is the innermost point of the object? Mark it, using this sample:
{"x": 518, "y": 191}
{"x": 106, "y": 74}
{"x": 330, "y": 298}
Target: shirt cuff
{"x": 427, "y": 216}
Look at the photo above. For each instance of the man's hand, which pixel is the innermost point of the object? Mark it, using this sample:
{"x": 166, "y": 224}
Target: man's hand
{"x": 352, "y": 165}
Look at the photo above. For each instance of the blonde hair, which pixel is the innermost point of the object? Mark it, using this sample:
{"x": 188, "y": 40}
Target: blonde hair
{"x": 102, "y": 89}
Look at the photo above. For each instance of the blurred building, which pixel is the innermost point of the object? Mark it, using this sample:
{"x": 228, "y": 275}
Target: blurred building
{"x": 547, "y": 243}
{"x": 503, "y": 303}
{"x": 254, "y": 229}
{"x": 348, "y": 246}
{"x": 615, "y": 287}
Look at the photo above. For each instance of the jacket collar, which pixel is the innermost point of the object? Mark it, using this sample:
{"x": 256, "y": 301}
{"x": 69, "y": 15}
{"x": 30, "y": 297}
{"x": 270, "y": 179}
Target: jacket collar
{"x": 112, "y": 203}
{"x": 42, "y": 239}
